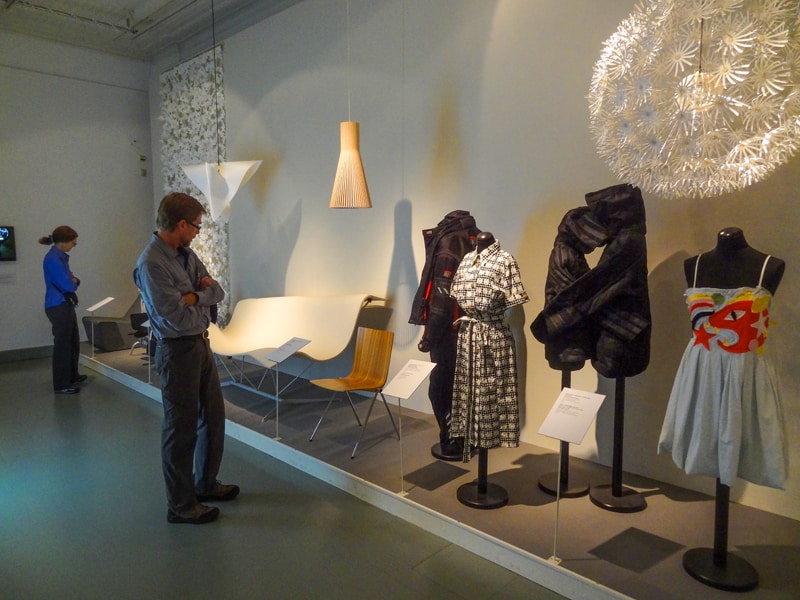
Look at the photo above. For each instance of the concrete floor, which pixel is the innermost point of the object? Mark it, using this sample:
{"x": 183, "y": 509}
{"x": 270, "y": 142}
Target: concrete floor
{"x": 263, "y": 554}
{"x": 82, "y": 515}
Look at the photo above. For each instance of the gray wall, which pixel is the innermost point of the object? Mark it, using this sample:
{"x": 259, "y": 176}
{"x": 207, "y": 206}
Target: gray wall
{"x": 73, "y": 126}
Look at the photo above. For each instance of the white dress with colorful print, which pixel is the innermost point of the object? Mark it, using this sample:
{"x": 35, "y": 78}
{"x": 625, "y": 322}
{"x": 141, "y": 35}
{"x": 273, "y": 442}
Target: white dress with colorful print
{"x": 724, "y": 415}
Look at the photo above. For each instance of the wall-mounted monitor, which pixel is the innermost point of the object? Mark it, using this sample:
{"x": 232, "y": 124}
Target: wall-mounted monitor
{"x": 8, "y": 247}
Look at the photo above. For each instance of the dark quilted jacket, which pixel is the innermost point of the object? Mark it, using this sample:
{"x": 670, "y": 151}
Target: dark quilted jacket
{"x": 445, "y": 246}
{"x": 600, "y": 314}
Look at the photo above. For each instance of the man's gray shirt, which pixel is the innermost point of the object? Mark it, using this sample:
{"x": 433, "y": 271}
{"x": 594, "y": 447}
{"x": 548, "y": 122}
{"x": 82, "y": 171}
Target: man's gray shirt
{"x": 164, "y": 276}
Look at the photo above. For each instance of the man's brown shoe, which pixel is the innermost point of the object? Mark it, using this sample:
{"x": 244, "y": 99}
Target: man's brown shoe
{"x": 198, "y": 515}
{"x": 220, "y": 492}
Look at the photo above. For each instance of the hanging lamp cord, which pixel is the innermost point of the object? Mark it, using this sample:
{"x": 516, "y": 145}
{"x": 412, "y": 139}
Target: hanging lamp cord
{"x": 349, "y": 68}
{"x": 216, "y": 83}
{"x": 700, "y": 51}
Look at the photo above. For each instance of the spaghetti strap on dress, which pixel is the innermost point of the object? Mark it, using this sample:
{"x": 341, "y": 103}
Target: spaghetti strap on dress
{"x": 724, "y": 416}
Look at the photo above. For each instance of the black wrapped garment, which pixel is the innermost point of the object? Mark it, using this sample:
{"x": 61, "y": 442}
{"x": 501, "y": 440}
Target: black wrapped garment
{"x": 600, "y": 314}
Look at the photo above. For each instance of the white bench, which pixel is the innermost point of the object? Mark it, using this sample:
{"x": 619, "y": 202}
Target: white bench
{"x": 268, "y": 323}
{"x": 259, "y": 326}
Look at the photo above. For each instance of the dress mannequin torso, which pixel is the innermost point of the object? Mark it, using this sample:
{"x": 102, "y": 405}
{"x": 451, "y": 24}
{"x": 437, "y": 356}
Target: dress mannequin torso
{"x": 733, "y": 264}
{"x": 483, "y": 241}
{"x": 486, "y": 284}
{"x": 724, "y": 416}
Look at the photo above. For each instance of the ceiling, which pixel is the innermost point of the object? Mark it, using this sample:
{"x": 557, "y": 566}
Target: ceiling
{"x": 138, "y": 29}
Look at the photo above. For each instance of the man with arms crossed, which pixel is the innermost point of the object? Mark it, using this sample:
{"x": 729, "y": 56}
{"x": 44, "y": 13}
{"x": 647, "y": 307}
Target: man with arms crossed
{"x": 178, "y": 294}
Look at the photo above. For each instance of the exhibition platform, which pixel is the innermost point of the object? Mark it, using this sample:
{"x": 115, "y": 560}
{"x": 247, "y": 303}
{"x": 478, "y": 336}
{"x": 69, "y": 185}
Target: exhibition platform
{"x": 569, "y": 545}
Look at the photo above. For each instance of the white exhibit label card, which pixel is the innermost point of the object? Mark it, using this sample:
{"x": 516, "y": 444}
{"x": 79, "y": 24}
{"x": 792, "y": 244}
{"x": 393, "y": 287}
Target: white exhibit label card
{"x": 571, "y": 415}
{"x": 102, "y": 302}
{"x": 408, "y": 379}
{"x": 285, "y": 350}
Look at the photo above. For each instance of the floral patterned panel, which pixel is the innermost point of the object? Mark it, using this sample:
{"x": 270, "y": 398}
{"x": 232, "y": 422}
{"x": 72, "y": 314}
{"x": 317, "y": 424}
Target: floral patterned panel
{"x": 193, "y": 131}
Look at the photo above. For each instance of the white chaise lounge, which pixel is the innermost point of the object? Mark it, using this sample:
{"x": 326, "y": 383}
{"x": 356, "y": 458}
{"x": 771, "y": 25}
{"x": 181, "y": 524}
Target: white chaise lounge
{"x": 268, "y": 323}
{"x": 260, "y": 325}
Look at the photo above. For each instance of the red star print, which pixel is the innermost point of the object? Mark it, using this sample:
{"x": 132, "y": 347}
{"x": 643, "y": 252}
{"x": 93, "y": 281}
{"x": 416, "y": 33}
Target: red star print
{"x": 702, "y": 336}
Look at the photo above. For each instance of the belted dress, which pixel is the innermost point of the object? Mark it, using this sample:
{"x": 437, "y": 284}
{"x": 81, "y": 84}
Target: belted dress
{"x": 485, "y": 404}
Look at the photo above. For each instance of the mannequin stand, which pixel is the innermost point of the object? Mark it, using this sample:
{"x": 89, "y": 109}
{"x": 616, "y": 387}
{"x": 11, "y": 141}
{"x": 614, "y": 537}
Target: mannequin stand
{"x": 558, "y": 483}
{"x": 436, "y": 452}
{"x": 615, "y": 497}
{"x": 481, "y": 494}
{"x": 714, "y": 566}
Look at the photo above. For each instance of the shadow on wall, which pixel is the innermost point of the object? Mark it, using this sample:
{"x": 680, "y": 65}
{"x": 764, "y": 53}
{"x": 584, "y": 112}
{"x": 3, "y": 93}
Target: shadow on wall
{"x": 266, "y": 253}
{"x": 646, "y": 394}
{"x": 516, "y": 320}
{"x": 447, "y": 165}
{"x": 403, "y": 277}
{"x": 261, "y": 182}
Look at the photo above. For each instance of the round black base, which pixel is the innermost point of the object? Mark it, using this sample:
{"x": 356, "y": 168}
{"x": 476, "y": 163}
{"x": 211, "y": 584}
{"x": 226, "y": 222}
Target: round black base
{"x": 574, "y": 488}
{"x": 495, "y": 496}
{"x": 629, "y": 501}
{"x": 436, "y": 451}
{"x": 737, "y": 575}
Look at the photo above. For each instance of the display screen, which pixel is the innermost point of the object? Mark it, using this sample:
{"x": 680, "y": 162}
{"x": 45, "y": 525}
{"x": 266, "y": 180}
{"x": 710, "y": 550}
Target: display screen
{"x": 8, "y": 249}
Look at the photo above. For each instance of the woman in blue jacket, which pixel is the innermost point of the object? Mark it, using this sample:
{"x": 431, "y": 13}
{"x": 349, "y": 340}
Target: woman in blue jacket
{"x": 60, "y": 301}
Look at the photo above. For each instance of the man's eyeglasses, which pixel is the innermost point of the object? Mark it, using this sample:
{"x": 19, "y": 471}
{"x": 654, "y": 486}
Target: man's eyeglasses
{"x": 193, "y": 225}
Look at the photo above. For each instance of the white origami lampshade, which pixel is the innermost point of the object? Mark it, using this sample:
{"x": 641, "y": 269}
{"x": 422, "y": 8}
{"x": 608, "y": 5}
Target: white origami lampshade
{"x": 350, "y": 185}
{"x": 219, "y": 182}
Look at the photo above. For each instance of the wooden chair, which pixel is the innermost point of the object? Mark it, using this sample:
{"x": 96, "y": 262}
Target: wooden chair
{"x": 369, "y": 372}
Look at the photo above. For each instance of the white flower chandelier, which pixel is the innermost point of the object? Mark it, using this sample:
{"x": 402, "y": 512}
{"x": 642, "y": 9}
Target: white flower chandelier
{"x": 698, "y": 97}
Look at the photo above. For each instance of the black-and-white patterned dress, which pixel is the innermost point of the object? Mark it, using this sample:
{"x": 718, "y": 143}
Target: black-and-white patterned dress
{"x": 485, "y": 407}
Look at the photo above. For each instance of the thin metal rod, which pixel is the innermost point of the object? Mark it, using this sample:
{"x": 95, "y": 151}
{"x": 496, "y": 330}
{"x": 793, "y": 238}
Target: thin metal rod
{"x": 558, "y": 507}
{"x": 700, "y": 61}
{"x": 563, "y": 456}
{"x": 721, "y": 508}
{"x": 619, "y": 432}
{"x": 348, "y": 61}
{"x": 216, "y": 83}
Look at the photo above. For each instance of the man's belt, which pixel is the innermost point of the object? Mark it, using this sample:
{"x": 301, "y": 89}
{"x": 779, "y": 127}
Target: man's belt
{"x": 194, "y": 336}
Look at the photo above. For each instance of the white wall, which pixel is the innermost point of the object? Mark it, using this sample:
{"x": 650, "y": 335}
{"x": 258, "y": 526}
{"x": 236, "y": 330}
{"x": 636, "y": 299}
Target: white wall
{"x": 69, "y": 119}
{"x": 478, "y": 105}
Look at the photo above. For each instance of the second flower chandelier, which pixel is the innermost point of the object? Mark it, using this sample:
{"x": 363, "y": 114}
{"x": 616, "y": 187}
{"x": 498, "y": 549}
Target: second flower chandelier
{"x": 698, "y": 97}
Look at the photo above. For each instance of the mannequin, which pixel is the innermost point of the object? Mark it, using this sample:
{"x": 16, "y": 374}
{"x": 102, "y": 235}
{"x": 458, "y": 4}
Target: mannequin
{"x": 733, "y": 263}
{"x": 485, "y": 410}
{"x": 485, "y": 403}
{"x": 724, "y": 416}
{"x": 445, "y": 246}
{"x": 483, "y": 241}
{"x": 600, "y": 314}
{"x": 725, "y": 387}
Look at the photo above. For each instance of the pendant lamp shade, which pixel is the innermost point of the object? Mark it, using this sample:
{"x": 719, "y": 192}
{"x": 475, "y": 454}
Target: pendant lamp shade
{"x": 350, "y": 185}
{"x": 219, "y": 182}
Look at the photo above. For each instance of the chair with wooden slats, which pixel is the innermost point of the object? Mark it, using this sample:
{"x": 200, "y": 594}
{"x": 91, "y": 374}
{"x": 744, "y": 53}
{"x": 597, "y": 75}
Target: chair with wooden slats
{"x": 369, "y": 372}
